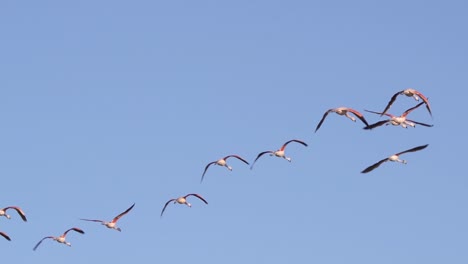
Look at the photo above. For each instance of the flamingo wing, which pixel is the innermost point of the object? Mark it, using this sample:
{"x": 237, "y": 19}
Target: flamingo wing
{"x": 419, "y": 123}
{"x": 76, "y": 229}
{"x": 164, "y": 208}
{"x": 92, "y": 220}
{"x": 379, "y": 113}
{"x": 123, "y": 213}
{"x": 196, "y": 195}
{"x": 237, "y": 157}
{"x": 259, "y": 155}
{"x": 413, "y": 149}
{"x": 425, "y": 100}
{"x": 411, "y": 109}
{"x": 20, "y": 212}
{"x": 5, "y": 236}
{"x": 374, "y": 166}
{"x": 206, "y": 168}
{"x": 390, "y": 102}
{"x": 293, "y": 140}
{"x": 323, "y": 119}
{"x": 40, "y": 241}
{"x": 377, "y": 124}
{"x": 358, "y": 115}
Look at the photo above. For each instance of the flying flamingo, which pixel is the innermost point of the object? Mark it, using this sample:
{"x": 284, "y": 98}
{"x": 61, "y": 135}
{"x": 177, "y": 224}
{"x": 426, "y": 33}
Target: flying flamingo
{"x": 60, "y": 239}
{"x": 342, "y": 111}
{"x": 280, "y": 152}
{"x": 183, "y": 200}
{"x": 222, "y": 162}
{"x": 112, "y": 224}
{"x": 394, "y": 157}
{"x": 3, "y": 212}
{"x": 397, "y": 120}
{"x": 5, "y": 236}
{"x": 410, "y": 93}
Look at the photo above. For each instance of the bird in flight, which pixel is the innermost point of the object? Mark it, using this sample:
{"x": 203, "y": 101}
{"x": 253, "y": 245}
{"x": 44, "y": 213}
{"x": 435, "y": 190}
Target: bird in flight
{"x": 397, "y": 120}
{"x": 278, "y": 153}
{"x": 183, "y": 200}
{"x": 394, "y": 158}
{"x": 410, "y": 93}
{"x": 342, "y": 111}
{"x": 222, "y": 162}
{"x": 112, "y": 224}
{"x": 60, "y": 239}
{"x": 5, "y": 236}
{"x": 3, "y": 212}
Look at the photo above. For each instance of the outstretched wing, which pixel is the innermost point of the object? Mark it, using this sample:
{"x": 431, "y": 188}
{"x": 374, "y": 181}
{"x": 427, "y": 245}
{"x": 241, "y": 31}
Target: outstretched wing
{"x": 425, "y": 100}
{"x": 411, "y": 109}
{"x": 92, "y": 220}
{"x": 323, "y": 119}
{"x": 413, "y": 149}
{"x": 5, "y": 236}
{"x": 40, "y": 241}
{"x": 196, "y": 195}
{"x": 259, "y": 155}
{"x": 20, "y": 212}
{"x": 237, "y": 157}
{"x": 373, "y": 166}
{"x": 206, "y": 168}
{"x": 390, "y": 103}
{"x": 379, "y": 113}
{"x": 419, "y": 123}
{"x": 122, "y": 214}
{"x": 358, "y": 115}
{"x": 164, "y": 208}
{"x": 293, "y": 140}
{"x": 376, "y": 124}
{"x": 76, "y": 229}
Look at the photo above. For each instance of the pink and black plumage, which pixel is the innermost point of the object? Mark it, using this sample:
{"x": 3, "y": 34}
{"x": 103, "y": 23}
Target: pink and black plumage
{"x": 60, "y": 239}
{"x": 3, "y": 212}
{"x": 183, "y": 200}
{"x": 397, "y": 120}
{"x": 222, "y": 162}
{"x": 112, "y": 224}
{"x": 410, "y": 93}
{"x": 5, "y": 236}
{"x": 342, "y": 111}
{"x": 394, "y": 158}
{"x": 280, "y": 152}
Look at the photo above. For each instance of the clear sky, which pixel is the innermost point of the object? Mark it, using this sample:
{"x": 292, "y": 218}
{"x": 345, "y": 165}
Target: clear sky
{"x": 108, "y": 103}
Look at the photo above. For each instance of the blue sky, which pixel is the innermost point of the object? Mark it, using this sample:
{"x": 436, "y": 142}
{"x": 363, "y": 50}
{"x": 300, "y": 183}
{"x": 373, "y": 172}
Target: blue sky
{"x": 108, "y": 103}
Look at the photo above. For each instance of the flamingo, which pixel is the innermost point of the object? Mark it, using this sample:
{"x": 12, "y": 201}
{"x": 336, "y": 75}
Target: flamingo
{"x": 410, "y": 93}
{"x": 280, "y": 152}
{"x": 342, "y": 111}
{"x": 183, "y": 200}
{"x": 394, "y": 158}
{"x": 112, "y": 224}
{"x": 5, "y": 236}
{"x": 3, "y": 212}
{"x": 60, "y": 239}
{"x": 397, "y": 120}
{"x": 222, "y": 162}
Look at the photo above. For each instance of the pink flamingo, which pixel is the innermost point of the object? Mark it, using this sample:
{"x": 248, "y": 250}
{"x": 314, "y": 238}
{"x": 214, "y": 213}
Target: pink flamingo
{"x": 394, "y": 158}
{"x": 280, "y": 152}
{"x": 410, "y": 93}
{"x": 222, "y": 162}
{"x": 183, "y": 200}
{"x": 397, "y": 120}
{"x": 5, "y": 236}
{"x": 342, "y": 111}
{"x": 112, "y": 224}
{"x": 60, "y": 239}
{"x": 3, "y": 212}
